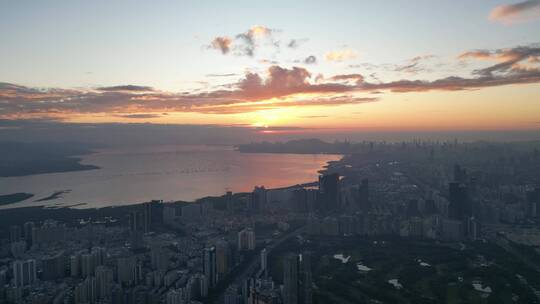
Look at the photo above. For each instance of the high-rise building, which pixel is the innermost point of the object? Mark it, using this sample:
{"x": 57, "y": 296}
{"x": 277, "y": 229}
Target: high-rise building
{"x": 147, "y": 214}
{"x": 306, "y": 279}
{"x": 209, "y": 266}
{"x": 472, "y": 228}
{"x": 416, "y": 227}
{"x": 430, "y": 207}
{"x": 18, "y": 249}
{"x": 159, "y": 257}
{"x": 135, "y": 221}
{"x": 176, "y": 296}
{"x": 297, "y": 279}
{"x": 363, "y": 196}
{"x": 88, "y": 265}
{"x": 533, "y": 202}
{"x": 231, "y": 295}
{"x": 50, "y": 232}
{"x": 104, "y": 282}
{"x": 412, "y": 208}
{"x": 329, "y": 192}
{"x": 264, "y": 261}
{"x": 53, "y": 267}
{"x": 222, "y": 258}
{"x": 196, "y": 287}
{"x": 246, "y": 239}
{"x": 75, "y": 265}
{"x": 459, "y": 206}
{"x": 15, "y": 234}
{"x": 259, "y": 198}
{"x": 127, "y": 270}
{"x": 290, "y": 279}
{"x": 86, "y": 291}
{"x": 300, "y": 200}
{"x": 24, "y": 272}
{"x": 28, "y": 227}
{"x": 460, "y": 174}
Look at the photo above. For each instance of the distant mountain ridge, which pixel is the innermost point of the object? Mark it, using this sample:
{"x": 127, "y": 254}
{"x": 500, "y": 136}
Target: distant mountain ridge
{"x": 300, "y": 146}
{"x": 23, "y": 158}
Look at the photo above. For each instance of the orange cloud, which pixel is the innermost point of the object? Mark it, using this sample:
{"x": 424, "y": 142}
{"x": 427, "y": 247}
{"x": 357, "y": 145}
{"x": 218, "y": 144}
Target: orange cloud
{"x": 222, "y": 43}
{"x": 517, "y": 12}
{"x": 244, "y": 44}
{"x": 341, "y": 55}
{"x": 278, "y": 87}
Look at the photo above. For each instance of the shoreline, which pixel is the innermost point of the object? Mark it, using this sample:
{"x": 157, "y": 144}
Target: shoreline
{"x": 85, "y": 206}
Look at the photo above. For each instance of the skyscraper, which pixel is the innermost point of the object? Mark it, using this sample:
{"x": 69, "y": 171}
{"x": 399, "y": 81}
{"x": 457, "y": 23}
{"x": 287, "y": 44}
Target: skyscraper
{"x": 24, "y": 272}
{"x": 104, "y": 282}
{"x": 300, "y": 200}
{"x": 246, "y": 239}
{"x": 28, "y": 227}
{"x": 460, "y": 174}
{"x": 264, "y": 261}
{"x": 127, "y": 270}
{"x": 54, "y": 267}
{"x": 209, "y": 266}
{"x": 258, "y": 198}
{"x": 290, "y": 279}
{"x": 15, "y": 233}
{"x": 459, "y": 206}
{"x": 329, "y": 192}
{"x": 222, "y": 258}
{"x": 306, "y": 279}
{"x": 86, "y": 291}
{"x": 363, "y": 196}
{"x": 297, "y": 279}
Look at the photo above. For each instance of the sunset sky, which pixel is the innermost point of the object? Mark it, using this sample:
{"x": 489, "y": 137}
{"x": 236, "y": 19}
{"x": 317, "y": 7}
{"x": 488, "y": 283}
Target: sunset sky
{"x": 367, "y": 65}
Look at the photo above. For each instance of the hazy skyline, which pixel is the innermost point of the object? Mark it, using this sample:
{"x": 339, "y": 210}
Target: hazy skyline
{"x": 370, "y": 66}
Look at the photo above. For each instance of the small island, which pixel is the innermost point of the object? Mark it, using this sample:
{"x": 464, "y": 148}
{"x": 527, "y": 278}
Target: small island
{"x": 55, "y": 195}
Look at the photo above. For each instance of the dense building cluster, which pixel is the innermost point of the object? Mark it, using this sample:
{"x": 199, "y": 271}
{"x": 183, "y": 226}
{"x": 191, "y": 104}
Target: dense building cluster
{"x": 219, "y": 249}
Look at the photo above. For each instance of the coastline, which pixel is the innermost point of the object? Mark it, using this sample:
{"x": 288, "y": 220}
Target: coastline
{"x": 71, "y": 214}
{"x": 54, "y": 197}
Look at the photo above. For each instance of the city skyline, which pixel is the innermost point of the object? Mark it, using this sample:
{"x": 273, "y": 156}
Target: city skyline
{"x": 367, "y": 66}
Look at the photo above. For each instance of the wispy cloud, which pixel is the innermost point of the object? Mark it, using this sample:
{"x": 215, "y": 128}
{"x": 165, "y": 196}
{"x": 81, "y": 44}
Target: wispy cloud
{"x": 222, "y": 44}
{"x": 246, "y": 43}
{"x": 312, "y": 116}
{"x": 357, "y": 78}
{"x": 522, "y": 59}
{"x": 140, "y": 116}
{"x": 517, "y": 12}
{"x": 222, "y": 75}
{"x": 129, "y": 88}
{"x": 341, "y": 55}
{"x": 295, "y": 43}
{"x": 414, "y": 65}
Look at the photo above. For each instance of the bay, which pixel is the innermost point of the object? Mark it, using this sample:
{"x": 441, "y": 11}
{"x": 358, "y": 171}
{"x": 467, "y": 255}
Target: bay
{"x": 173, "y": 172}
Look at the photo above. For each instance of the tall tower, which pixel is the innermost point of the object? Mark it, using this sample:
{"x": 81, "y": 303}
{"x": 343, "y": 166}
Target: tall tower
{"x": 222, "y": 258}
{"x": 363, "y": 196}
{"x": 209, "y": 266}
{"x": 459, "y": 201}
{"x": 264, "y": 261}
{"x": 306, "y": 281}
{"x": 329, "y": 191}
{"x": 290, "y": 279}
